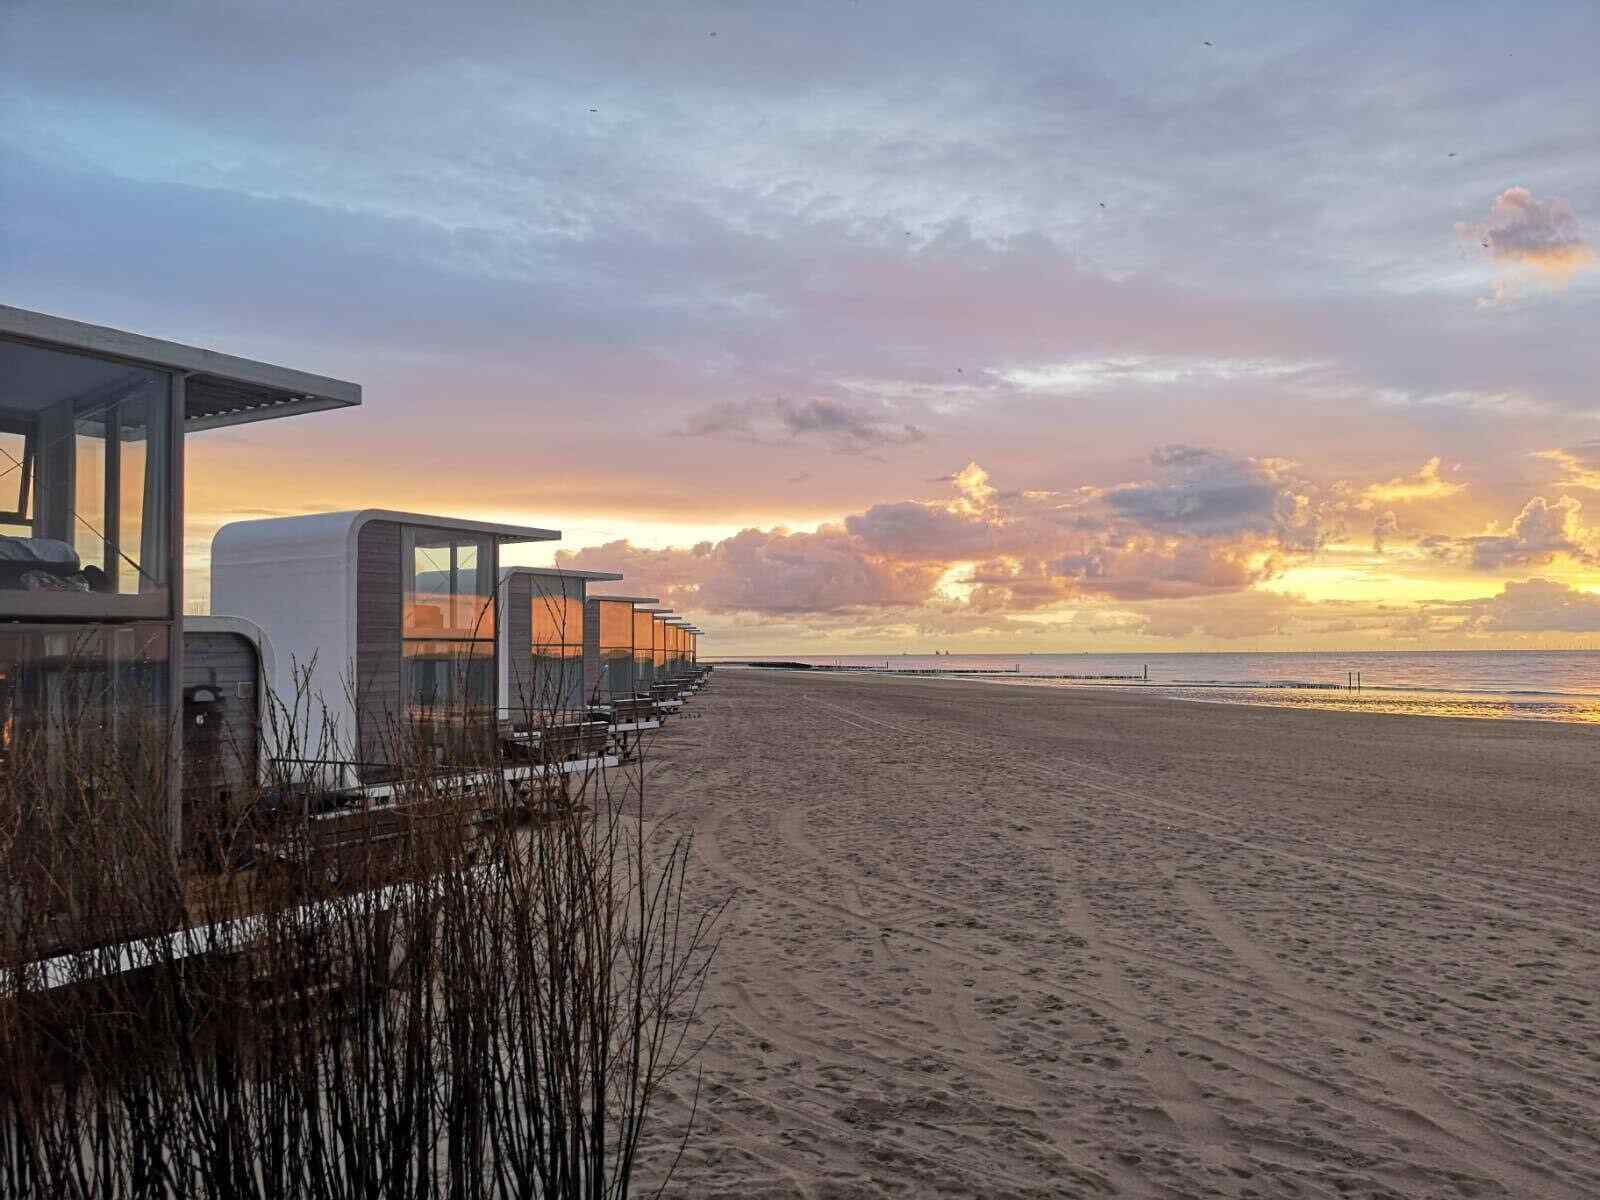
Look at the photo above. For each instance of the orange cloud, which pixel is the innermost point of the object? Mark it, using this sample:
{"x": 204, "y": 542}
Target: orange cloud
{"x": 1541, "y": 236}
{"x": 1426, "y": 484}
{"x": 1580, "y": 464}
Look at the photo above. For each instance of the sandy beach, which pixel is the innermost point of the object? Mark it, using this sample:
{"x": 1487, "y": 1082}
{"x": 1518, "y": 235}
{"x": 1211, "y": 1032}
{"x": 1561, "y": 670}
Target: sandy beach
{"x": 1015, "y": 942}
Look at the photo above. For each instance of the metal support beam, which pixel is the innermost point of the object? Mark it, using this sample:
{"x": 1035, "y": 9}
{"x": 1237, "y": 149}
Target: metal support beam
{"x": 174, "y": 573}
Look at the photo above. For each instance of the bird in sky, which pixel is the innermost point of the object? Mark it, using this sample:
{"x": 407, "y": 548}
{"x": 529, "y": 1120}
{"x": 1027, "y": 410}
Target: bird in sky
{"x": 1208, "y": 43}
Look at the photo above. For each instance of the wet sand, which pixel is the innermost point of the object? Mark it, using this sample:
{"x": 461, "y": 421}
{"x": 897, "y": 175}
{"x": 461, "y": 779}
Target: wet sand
{"x": 1002, "y": 941}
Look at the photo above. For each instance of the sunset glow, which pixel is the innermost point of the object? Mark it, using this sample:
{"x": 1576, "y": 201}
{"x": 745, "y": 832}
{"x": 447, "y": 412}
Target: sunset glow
{"x": 1095, "y": 336}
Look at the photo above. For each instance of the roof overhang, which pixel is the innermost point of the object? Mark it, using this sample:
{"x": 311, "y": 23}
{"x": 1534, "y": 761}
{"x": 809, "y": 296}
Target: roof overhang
{"x": 628, "y": 599}
{"x": 565, "y": 573}
{"x": 503, "y": 534}
{"x": 219, "y": 389}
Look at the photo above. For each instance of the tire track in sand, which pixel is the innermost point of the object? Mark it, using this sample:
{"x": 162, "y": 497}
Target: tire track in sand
{"x": 1059, "y": 769}
{"x": 1168, "y": 1082}
{"x": 1425, "y": 1109}
{"x": 1417, "y": 1104}
{"x": 1195, "y": 1119}
{"x": 915, "y": 900}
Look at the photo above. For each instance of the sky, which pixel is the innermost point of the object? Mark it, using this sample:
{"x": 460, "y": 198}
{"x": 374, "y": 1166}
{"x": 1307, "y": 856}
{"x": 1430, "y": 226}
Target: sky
{"x": 864, "y": 325}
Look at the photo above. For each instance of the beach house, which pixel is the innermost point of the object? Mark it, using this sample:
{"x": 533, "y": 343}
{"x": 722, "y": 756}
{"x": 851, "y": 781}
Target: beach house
{"x": 389, "y": 621}
{"x": 615, "y": 623}
{"x": 550, "y": 650}
{"x": 93, "y": 427}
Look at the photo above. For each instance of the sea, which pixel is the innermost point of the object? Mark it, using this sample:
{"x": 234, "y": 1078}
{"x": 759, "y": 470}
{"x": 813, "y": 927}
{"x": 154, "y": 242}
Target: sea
{"x": 1524, "y": 685}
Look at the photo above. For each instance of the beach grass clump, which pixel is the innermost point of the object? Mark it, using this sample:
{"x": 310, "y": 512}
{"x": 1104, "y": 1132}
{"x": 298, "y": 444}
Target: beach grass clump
{"x": 471, "y": 989}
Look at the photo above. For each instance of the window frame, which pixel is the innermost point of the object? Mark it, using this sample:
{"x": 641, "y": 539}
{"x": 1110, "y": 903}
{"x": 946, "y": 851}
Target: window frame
{"x": 162, "y": 597}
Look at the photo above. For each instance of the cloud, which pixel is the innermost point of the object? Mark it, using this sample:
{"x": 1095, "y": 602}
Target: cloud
{"x": 1426, "y": 484}
{"x": 1089, "y": 374}
{"x": 1207, "y": 523}
{"x": 1151, "y": 568}
{"x": 1383, "y": 529}
{"x": 1541, "y": 531}
{"x": 840, "y": 425}
{"x": 1211, "y": 525}
{"x": 1534, "y": 606}
{"x": 1580, "y": 464}
{"x": 1253, "y": 614}
{"x": 1202, "y": 493}
{"x": 925, "y": 532}
{"x": 766, "y": 571}
{"x": 1539, "y": 235}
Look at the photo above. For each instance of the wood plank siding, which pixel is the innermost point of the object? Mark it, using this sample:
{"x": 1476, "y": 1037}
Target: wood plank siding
{"x": 222, "y": 731}
{"x": 517, "y": 613}
{"x": 378, "y": 623}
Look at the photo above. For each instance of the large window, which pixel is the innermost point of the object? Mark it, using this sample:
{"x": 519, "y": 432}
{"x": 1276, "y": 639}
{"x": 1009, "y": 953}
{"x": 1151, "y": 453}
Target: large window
{"x": 448, "y": 616}
{"x": 644, "y": 656}
{"x": 616, "y": 648}
{"x": 90, "y": 689}
{"x": 85, "y": 512}
{"x": 557, "y": 628}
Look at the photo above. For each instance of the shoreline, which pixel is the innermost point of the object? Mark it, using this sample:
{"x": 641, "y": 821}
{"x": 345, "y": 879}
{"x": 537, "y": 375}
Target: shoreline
{"x": 1581, "y": 709}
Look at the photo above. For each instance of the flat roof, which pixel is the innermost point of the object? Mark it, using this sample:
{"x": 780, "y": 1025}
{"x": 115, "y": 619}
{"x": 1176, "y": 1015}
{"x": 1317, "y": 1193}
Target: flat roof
{"x": 565, "y": 573}
{"x": 628, "y": 599}
{"x": 219, "y": 389}
{"x": 499, "y": 532}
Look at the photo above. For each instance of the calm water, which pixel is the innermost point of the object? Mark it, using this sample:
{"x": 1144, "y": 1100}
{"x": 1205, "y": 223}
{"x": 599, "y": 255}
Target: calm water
{"x": 1522, "y": 685}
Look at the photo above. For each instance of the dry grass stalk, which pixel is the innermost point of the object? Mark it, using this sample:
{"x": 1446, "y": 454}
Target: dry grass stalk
{"x": 484, "y": 1001}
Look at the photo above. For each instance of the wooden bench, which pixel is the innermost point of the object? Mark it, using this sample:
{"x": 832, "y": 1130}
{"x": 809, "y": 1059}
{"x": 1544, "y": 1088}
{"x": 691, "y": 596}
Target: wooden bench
{"x": 558, "y": 743}
{"x": 624, "y": 711}
{"x": 376, "y": 842}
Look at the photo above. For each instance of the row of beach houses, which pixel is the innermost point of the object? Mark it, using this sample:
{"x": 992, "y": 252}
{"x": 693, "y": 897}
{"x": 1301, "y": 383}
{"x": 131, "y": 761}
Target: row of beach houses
{"x": 382, "y": 617}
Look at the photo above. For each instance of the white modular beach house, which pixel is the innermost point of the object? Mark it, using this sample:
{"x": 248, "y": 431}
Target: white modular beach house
{"x": 549, "y": 654}
{"x": 616, "y": 624}
{"x": 389, "y": 619}
{"x": 93, "y": 428}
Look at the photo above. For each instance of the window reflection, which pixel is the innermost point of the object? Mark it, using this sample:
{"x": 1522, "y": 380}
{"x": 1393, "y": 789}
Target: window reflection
{"x": 615, "y": 619}
{"x": 449, "y": 586}
{"x": 84, "y": 451}
{"x": 557, "y": 634}
{"x": 443, "y": 676}
{"x": 103, "y": 686}
{"x": 644, "y": 641}
{"x": 448, "y": 616}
